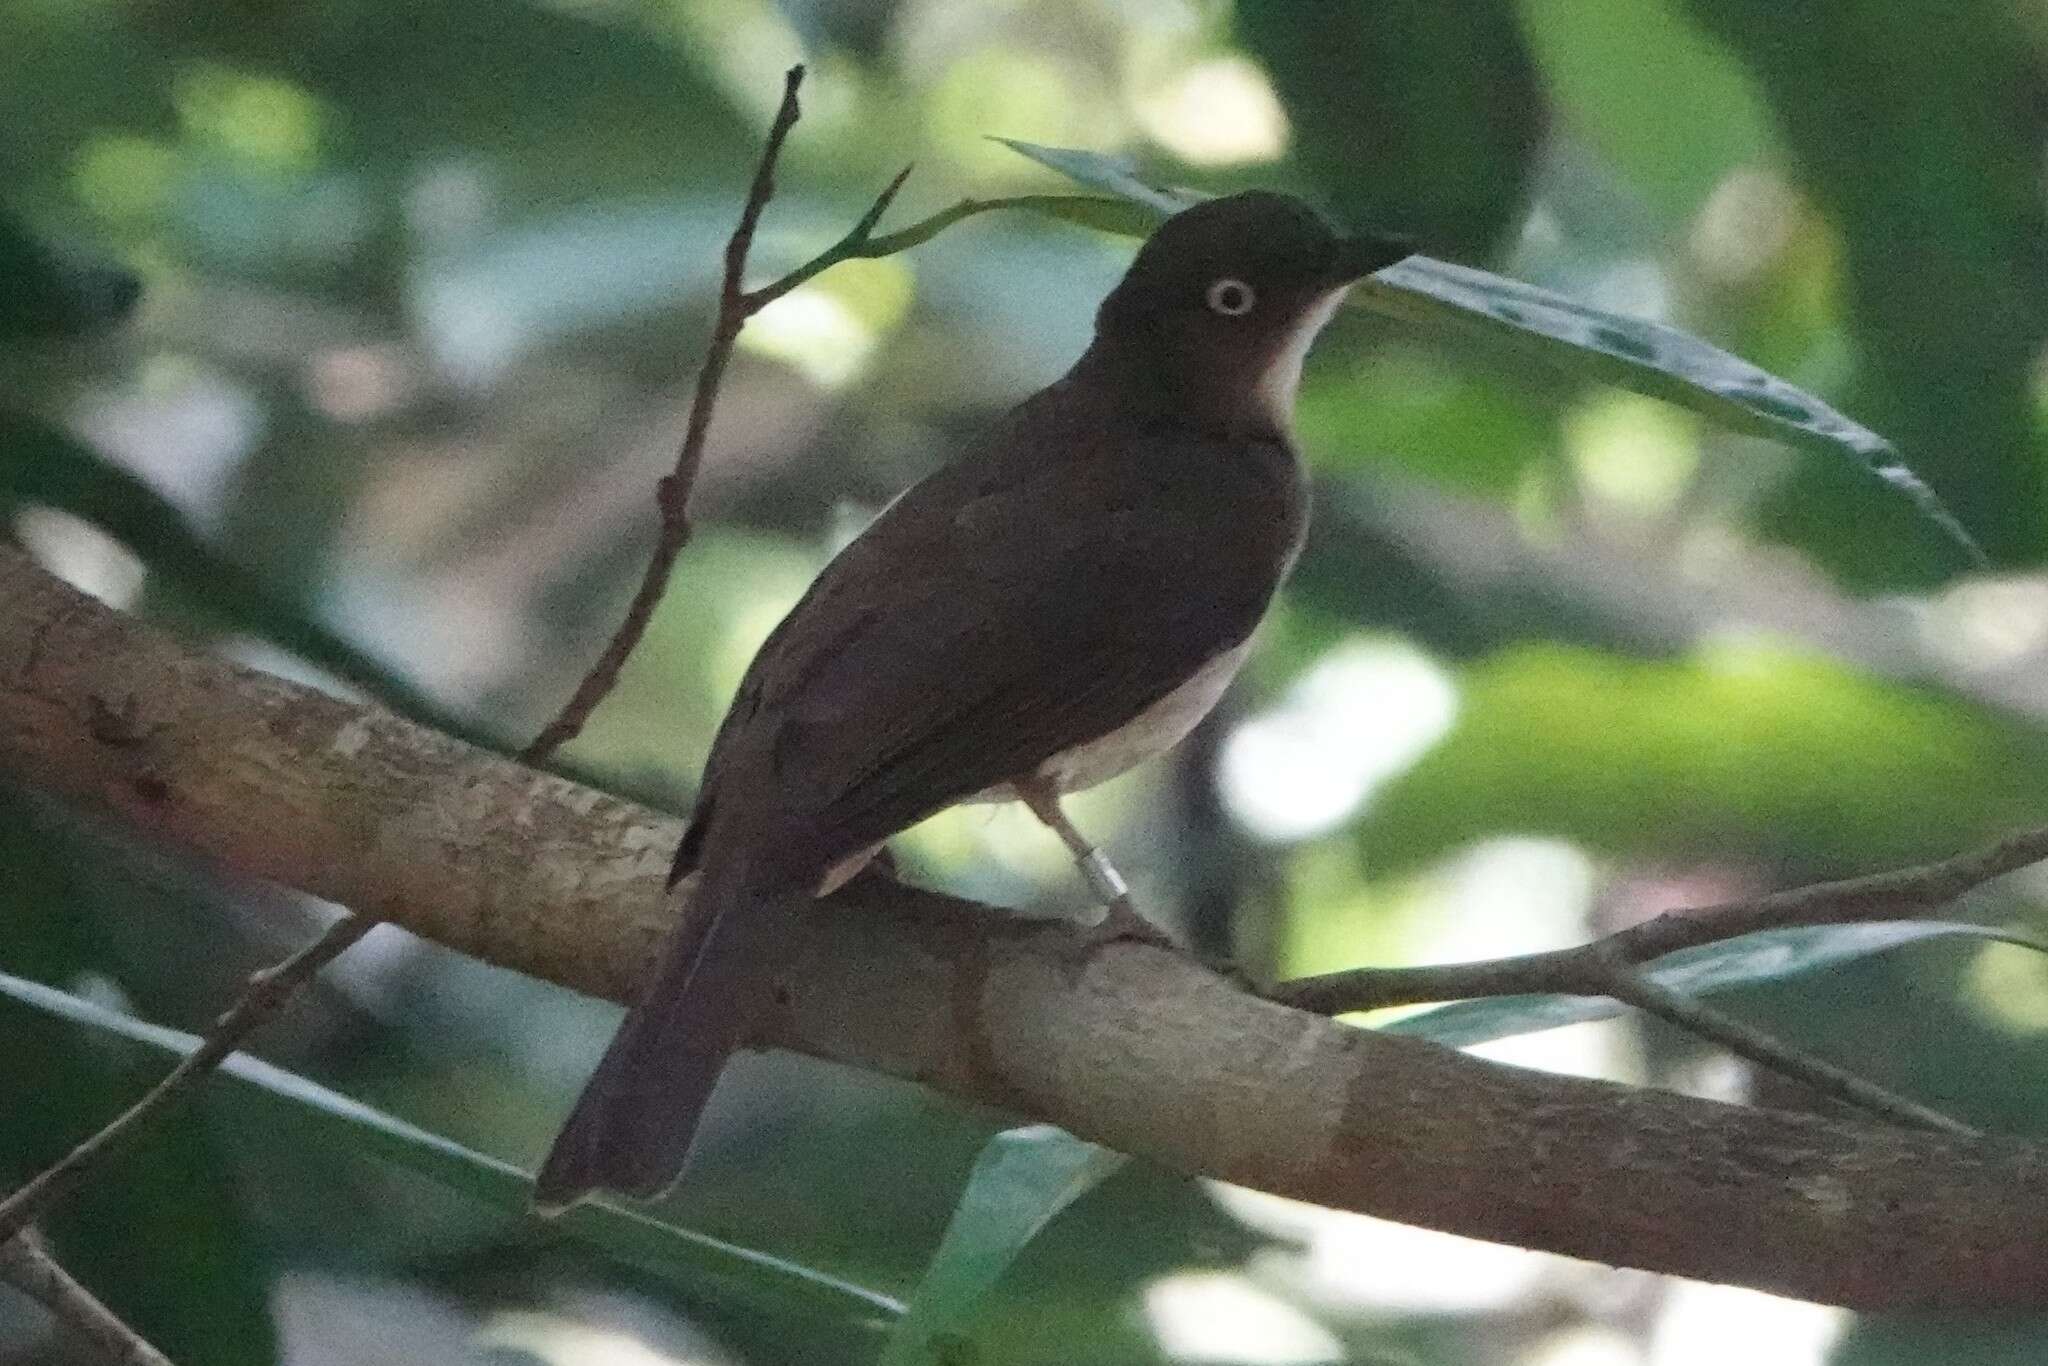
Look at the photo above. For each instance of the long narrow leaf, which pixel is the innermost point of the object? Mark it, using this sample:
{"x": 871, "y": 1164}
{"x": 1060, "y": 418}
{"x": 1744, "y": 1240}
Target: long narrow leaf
{"x": 1576, "y": 339}
{"x": 1022, "y": 1179}
{"x": 692, "y": 1260}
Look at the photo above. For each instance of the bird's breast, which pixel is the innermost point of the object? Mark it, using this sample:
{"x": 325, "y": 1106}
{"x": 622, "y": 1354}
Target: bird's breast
{"x": 1151, "y": 732}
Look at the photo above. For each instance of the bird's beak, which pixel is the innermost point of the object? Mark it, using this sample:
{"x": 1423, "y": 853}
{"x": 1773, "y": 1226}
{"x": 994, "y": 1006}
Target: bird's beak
{"x": 1360, "y": 256}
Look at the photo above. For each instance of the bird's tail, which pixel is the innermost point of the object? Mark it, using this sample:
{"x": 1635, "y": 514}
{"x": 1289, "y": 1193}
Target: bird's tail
{"x": 633, "y": 1124}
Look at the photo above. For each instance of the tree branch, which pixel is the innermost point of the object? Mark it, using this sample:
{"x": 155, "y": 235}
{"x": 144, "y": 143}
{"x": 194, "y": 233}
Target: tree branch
{"x": 1609, "y": 966}
{"x": 1586, "y": 969}
{"x": 1132, "y": 1046}
{"x": 25, "y": 1264}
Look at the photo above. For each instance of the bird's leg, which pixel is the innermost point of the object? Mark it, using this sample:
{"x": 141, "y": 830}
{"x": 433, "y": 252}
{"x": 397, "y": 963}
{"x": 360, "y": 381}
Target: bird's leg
{"x": 1121, "y": 919}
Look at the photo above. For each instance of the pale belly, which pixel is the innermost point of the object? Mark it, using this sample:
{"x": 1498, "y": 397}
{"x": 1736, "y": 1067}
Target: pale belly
{"x": 1152, "y": 731}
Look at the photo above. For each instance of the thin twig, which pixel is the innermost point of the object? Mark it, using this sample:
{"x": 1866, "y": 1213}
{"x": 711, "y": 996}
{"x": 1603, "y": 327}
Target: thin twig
{"x": 25, "y": 1264}
{"x": 1609, "y": 966}
{"x": 1627, "y": 983}
{"x": 1578, "y": 971}
{"x": 672, "y": 496}
{"x": 268, "y": 989}
{"x": 736, "y": 305}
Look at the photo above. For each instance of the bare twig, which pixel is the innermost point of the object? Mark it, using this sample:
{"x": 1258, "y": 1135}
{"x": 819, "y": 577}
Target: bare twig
{"x": 1627, "y": 983}
{"x": 267, "y": 990}
{"x": 1580, "y": 971}
{"x": 24, "y": 1264}
{"x": 1608, "y": 966}
{"x": 735, "y": 306}
{"x": 672, "y": 496}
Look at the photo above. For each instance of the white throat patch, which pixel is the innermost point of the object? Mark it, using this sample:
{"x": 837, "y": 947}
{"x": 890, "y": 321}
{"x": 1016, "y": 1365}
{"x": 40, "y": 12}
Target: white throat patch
{"x": 1282, "y": 379}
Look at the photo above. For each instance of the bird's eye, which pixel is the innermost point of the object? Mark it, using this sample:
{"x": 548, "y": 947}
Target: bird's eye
{"x": 1231, "y": 298}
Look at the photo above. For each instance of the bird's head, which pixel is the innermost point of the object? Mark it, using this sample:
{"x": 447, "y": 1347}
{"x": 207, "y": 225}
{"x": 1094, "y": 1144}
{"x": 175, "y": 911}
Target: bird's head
{"x": 1220, "y": 306}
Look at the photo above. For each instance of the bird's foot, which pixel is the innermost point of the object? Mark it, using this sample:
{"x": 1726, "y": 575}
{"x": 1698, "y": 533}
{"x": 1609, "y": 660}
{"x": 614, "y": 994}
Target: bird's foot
{"x": 1121, "y": 923}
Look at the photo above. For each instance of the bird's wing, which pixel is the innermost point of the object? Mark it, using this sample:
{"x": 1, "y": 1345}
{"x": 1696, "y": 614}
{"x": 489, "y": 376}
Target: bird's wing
{"x": 976, "y": 632}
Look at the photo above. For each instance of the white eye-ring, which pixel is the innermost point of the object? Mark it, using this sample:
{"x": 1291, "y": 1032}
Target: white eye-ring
{"x": 1232, "y": 298}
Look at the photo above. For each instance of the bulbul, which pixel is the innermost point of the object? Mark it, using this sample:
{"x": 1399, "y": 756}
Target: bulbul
{"x": 1060, "y": 603}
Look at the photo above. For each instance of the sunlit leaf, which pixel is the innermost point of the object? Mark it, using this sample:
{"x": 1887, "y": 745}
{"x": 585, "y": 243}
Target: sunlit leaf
{"x": 1742, "y": 749}
{"x": 1022, "y": 1179}
{"x": 356, "y": 1130}
{"x": 1752, "y": 960}
{"x": 1579, "y": 341}
{"x": 1114, "y": 174}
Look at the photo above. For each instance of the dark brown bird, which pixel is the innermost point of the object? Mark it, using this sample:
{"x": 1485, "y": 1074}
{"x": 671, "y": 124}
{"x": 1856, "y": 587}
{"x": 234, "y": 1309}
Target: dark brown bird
{"x": 1066, "y": 600}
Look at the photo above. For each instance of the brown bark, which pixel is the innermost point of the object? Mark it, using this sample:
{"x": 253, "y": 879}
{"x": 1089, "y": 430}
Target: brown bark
{"x": 1131, "y": 1046}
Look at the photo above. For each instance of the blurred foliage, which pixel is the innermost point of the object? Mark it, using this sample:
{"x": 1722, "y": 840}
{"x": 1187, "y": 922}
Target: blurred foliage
{"x": 44, "y": 293}
{"x": 163, "y": 1203}
{"x": 1378, "y": 91}
{"x": 420, "y": 288}
{"x": 1719, "y": 754}
{"x": 1921, "y": 152}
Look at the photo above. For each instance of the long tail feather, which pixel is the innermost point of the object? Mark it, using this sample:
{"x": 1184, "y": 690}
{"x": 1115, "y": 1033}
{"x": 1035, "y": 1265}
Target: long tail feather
{"x": 634, "y": 1123}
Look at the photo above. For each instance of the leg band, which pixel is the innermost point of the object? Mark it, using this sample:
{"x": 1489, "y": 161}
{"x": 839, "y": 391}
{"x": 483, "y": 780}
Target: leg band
{"x": 1102, "y": 877}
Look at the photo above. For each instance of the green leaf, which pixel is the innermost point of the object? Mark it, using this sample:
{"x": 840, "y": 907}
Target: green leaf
{"x": 46, "y": 292}
{"x": 1022, "y": 1179}
{"x": 1582, "y": 342}
{"x": 354, "y": 1129}
{"x": 1752, "y": 960}
{"x": 1415, "y": 116}
{"x": 1117, "y": 175}
{"x": 1932, "y": 189}
{"x": 1579, "y": 341}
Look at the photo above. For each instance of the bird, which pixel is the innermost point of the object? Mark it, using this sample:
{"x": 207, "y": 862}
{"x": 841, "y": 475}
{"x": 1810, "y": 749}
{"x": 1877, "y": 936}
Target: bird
{"x": 1063, "y": 601}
